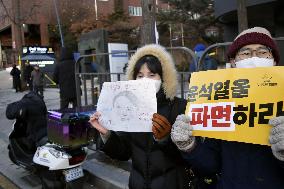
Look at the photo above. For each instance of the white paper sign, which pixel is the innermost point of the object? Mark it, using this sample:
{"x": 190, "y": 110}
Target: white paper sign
{"x": 128, "y": 105}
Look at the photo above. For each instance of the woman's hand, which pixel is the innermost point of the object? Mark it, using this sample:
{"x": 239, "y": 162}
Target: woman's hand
{"x": 94, "y": 120}
{"x": 161, "y": 127}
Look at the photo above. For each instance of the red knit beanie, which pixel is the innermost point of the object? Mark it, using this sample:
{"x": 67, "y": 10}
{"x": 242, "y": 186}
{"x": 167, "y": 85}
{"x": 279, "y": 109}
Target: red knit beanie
{"x": 256, "y": 35}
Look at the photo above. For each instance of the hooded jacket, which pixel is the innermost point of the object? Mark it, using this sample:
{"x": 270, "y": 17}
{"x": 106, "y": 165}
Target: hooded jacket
{"x": 64, "y": 74}
{"x": 155, "y": 165}
{"x": 31, "y": 112}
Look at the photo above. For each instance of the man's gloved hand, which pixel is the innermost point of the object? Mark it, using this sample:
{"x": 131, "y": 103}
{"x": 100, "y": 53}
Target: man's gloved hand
{"x": 161, "y": 127}
{"x": 182, "y": 133}
{"x": 277, "y": 137}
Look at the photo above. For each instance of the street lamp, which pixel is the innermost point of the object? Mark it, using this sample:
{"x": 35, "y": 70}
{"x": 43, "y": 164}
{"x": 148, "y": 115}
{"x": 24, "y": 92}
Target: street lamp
{"x": 58, "y": 21}
{"x": 96, "y": 9}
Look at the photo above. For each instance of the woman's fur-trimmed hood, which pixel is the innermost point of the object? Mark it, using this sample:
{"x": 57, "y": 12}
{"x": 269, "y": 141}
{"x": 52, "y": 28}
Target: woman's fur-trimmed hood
{"x": 168, "y": 67}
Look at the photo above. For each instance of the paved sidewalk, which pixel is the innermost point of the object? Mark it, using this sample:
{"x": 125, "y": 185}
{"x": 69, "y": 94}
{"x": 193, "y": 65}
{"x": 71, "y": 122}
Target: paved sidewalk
{"x": 107, "y": 173}
{"x": 104, "y": 172}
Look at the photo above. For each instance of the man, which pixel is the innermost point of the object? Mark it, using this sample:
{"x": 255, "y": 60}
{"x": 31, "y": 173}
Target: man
{"x": 31, "y": 113}
{"x": 37, "y": 77}
{"x": 27, "y": 75}
{"x": 16, "y": 74}
{"x": 239, "y": 165}
{"x": 64, "y": 76}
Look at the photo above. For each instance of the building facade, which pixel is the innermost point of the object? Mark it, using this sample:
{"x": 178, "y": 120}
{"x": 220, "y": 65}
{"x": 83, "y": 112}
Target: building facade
{"x": 35, "y": 16}
{"x": 263, "y": 13}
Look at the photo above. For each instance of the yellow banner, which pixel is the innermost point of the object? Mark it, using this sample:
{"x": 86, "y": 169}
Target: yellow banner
{"x": 236, "y": 104}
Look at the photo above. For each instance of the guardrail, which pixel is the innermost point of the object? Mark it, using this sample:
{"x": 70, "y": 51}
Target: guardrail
{"x": 223, "y": 46}
{"x": 91, "y": 83}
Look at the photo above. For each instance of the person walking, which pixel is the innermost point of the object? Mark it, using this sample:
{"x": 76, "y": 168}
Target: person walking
{"x": 64, "y": 76}
{"x": 37, "y": 77}
{"x": 156, "y": 162}
{"x": 27, "y": 75}
{"x": 16, "y": 74}
{"x": 239, "y": 165}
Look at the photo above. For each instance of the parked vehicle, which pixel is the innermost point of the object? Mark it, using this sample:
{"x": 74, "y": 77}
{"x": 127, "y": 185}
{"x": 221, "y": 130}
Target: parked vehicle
{"x": 57, "y": 153}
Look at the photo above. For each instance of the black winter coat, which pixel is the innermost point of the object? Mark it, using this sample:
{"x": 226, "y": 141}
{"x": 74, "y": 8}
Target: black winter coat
{"x": 155, "y": 165}
{"x": 15, "y": 73}
{"x": 241, "y": 165}
{"x": 31, "y": 111}
{"x": 64, "y": 75}
{"x": 27, "y": 72}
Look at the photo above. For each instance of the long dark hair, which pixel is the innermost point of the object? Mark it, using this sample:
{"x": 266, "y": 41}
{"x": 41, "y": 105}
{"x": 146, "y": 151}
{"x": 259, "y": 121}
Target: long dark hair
{"x": 153, "y": 64}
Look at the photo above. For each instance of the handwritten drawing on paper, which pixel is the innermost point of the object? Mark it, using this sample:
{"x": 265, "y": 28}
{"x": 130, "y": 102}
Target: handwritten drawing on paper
{"x": 128, "y": 105}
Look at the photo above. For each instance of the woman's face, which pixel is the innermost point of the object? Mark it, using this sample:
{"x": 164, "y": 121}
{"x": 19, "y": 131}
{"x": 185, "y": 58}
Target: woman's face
{"x": 145, "y": 72}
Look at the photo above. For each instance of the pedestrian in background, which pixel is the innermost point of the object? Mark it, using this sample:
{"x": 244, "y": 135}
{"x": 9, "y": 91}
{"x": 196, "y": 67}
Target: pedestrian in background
{"x": 27, "y": 75}
{"x": 16, "y": 74}
{"x": 208, "y": 62}
{"x": 37, "y": 77}
{"x": 239, "y": 165}
{"x": 64, "y": 76}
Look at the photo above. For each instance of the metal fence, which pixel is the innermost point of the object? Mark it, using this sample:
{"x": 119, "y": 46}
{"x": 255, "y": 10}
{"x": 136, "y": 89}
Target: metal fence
{"x": 88, "y": 85}
{"x": 219, "y": 51}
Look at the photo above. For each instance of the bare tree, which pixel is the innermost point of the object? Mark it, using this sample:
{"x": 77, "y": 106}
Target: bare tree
{"x": 18, "y": 16}
{"x": 23, "y": 15}
{"x": 242, "y": 15}
{"x": 76, "y": 17}
{"x": 149, "y": 19}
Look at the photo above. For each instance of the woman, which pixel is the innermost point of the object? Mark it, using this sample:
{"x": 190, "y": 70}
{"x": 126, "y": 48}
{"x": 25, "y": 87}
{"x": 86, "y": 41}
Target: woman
{"x": 156, "y": 162}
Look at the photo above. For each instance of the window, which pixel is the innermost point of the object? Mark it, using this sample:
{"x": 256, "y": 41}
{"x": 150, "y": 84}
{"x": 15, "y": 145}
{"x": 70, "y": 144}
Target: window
{"x": 135, "y": 11}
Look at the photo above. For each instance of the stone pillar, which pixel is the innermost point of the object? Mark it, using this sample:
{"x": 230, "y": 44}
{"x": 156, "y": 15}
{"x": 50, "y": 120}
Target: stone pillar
{"x": 44, "y": 36}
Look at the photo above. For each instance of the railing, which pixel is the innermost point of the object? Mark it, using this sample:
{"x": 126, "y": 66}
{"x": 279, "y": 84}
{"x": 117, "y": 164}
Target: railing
{"x": 220, "y": 50}
{"x": 88, "y": 85}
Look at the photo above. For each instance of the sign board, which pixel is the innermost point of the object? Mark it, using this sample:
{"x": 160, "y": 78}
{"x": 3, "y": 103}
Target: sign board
{"x": 128, "y": 105}
{"x": 236, "y": 104}
{"x": 40, "y": 55}
{"x": 37, "y": 50}
{"x": 118, "y": 58}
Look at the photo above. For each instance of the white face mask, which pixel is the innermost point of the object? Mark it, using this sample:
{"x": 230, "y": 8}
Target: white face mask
{"x": 158, "y": 83}
{"x": 254, "y": 62}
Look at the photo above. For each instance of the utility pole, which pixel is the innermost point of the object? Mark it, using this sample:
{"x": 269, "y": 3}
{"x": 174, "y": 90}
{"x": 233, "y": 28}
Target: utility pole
{"x": 96, "y": 9}
{"x": 182, "y": 34}
{"x": 149, "y": 18}
{"x": 18, "y": 34}
{"x": 170, "y": 31}
{"x": 58, "y": 22}
{"x": 242, "y": 15}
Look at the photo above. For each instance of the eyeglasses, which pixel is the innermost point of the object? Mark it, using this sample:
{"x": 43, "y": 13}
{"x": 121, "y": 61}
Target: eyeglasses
{"x": 261, "y": 52}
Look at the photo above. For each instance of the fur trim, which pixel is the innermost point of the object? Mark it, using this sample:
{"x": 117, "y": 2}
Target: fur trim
{"x": 168, "y": 67}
